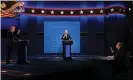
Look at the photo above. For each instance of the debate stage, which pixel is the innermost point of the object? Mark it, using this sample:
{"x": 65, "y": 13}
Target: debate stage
{"x": 54, "y": 67}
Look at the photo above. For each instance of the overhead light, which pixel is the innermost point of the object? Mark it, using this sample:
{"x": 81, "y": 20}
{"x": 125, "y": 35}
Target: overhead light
{"x": 40, "y": 57}
{"x": 129, "y": 9}
{"x": 3, "y": 71}
{"x": 57, "y": 57}
{"x": 73, "y": 57}
{"x": 27, "y": 74}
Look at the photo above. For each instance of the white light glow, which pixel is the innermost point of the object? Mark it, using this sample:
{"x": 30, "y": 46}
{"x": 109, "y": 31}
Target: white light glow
{"x": 3, "y": 71}
{"x": 27, "y": 74}
{"x": 129, "y": 9}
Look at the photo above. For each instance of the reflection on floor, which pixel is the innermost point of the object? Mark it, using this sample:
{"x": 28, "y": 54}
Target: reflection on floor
{"x": 98, "y": 66}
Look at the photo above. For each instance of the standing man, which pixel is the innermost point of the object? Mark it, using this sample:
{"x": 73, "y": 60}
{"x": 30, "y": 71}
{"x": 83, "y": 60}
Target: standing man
{"x": 65, "y": 36}
{"x": 12, "y": 38}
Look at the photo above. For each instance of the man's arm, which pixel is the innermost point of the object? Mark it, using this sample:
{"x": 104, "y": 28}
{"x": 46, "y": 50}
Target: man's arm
{"x": 119, "y": 54}
{"x": 17, "y": 36}
{"x": 9, "y": 36}
{"x": 70, "y": 37}
{"x": 62, "y": 37}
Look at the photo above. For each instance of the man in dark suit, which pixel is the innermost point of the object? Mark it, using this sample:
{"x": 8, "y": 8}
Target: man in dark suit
{"x": 12, "y": 39}
{"x": 119, "y": 59}
{"x": 65, "y": 36}
{"x": 120, "y": 53}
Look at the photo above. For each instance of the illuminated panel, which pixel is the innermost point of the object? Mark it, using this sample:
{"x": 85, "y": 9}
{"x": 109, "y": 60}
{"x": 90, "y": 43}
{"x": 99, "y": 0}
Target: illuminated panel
{"x": 73, "y": 11}
{"x": 53, "y": 31}
{"x": 68, "y": 50}
{"x": 7, "y": 22}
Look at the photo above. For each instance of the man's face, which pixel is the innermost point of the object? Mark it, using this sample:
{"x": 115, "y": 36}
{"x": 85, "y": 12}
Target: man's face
{"x": 13, "y": 29}
{"x": 66, "y": 32}
{"x": 118, "y": 45}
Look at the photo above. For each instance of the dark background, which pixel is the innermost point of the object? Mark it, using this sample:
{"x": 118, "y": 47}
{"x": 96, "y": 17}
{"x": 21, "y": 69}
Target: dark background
{"x": 97, "y": 32}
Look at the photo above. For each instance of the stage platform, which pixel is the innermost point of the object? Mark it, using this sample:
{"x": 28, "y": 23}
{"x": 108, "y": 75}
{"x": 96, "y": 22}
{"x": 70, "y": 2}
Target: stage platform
{"x": 82, "y": 66}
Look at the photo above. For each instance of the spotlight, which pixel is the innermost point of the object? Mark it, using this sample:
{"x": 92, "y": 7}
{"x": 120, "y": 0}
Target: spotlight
{"x": 129, "y": 9}
{"x": 73, "y": 57}
{"x": 57, "y": 57}
{"x": 3, "y": 71}
{"x": 40, "y": 57}
{"x": 27, "y": 74}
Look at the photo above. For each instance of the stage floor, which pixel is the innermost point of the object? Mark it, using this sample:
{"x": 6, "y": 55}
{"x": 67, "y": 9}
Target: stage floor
{"x": 95, "y": 65}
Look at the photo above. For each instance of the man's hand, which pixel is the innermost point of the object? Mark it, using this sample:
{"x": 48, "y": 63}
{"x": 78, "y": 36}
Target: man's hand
{"x": 64, "y": 36}
{"x": 18, "y": 31}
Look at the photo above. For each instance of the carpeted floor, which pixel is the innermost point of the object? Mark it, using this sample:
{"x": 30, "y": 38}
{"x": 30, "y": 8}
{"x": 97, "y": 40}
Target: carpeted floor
{"x": 83, "y": 68}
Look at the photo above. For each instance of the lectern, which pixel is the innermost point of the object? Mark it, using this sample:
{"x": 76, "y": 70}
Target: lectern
{"x": 22, "y": 51}
{"x": 67, "y": 49}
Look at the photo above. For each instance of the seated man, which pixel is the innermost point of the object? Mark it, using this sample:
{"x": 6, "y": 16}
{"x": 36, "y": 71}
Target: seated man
{"x": 12, "y": 38}
{"x": 119, "y": 58}
{"x": 120, "y": 51}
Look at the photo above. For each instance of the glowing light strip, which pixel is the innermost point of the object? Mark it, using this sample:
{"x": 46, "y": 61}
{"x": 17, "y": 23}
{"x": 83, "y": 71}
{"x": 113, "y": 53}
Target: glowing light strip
{"x": 74, "y": 11}
{"x": 74, "y": 8}
{"x": 15, "y": 73}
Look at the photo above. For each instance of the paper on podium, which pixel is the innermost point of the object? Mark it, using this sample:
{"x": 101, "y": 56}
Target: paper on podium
{"x": 19, "y": 40}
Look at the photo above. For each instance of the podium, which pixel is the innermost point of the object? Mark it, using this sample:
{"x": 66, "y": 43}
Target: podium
{"x": 22, "y": 51}
{"x": 67, "y": 49}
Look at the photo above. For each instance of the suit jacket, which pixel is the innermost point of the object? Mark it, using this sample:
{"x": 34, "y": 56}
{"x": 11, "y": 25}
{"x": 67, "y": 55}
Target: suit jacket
{"x": 12, "y": 38}
{"x": 66, "y": 38}
{"x": 120, "y": 54}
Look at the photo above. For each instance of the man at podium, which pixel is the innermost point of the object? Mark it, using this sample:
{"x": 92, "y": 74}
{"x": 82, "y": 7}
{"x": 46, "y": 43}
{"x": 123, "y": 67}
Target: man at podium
{"x": 65, "y": 36}
{"x": 12, "y": 39}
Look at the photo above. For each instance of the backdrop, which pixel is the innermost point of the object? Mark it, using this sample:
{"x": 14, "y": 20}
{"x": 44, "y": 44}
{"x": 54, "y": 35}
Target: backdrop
{"x": 53, "y": 31}
{"x": 7, "y": 22}
{"x": 94, "y": 43}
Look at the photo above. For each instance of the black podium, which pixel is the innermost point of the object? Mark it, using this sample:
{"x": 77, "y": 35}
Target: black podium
{"x": 22, "y": 51}
{"x": 67, "y": 49}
